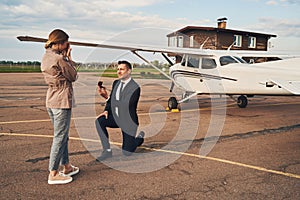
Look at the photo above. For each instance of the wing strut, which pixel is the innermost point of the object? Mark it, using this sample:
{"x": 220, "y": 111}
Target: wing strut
{"x": 201, "y": 47}
{"x": 162, "y": 72}
{"x": 169, "y": 61}
{"x": 188, "y": 97}
{"x": 144, "y": 59}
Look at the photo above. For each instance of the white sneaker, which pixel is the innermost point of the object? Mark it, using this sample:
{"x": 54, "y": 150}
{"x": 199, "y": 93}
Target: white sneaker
{"x": 59, "y": 179}
{"x": 74, "y": 171}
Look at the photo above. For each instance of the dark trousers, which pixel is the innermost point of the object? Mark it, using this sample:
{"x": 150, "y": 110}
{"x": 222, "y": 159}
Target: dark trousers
{"x": 130, "y": 142}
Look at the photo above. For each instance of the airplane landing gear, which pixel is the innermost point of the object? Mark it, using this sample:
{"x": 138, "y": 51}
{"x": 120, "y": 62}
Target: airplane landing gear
{"x": 172, "y": 103}
{"x": 242, "y": 101}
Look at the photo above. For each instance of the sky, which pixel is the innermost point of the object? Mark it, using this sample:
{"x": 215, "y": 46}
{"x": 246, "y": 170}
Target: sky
{"x": 143, "y": 21}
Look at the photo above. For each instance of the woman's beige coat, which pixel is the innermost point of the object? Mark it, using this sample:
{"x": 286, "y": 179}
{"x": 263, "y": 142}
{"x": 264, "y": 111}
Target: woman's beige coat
{"x": 59, "y": 73}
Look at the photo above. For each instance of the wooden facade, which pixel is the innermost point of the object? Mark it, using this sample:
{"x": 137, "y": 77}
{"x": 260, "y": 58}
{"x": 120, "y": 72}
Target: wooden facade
{"x": 218, "y": 39}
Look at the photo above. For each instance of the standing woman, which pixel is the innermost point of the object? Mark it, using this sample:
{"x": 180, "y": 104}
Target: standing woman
{"x": 59, "y": 72}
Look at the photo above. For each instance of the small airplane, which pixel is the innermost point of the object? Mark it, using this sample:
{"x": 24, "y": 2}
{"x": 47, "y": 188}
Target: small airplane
{"x": 222, "y": 72}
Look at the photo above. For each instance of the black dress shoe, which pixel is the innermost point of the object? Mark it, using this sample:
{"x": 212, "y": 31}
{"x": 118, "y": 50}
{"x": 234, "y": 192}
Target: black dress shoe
{"x": 140, "y": 138}
{"x": 105, "y": 154}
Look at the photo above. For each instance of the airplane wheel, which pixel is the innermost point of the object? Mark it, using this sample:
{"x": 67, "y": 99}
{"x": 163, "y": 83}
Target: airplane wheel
{"x": 242, "y": 101}
{"x": 172, "y": 103}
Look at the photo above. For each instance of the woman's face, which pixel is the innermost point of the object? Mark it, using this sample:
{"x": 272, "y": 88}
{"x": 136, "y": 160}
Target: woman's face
{"x": 64, "y": 46}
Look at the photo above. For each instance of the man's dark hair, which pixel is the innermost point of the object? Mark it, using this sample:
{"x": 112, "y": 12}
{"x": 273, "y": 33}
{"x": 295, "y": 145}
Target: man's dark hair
{"x": 126, "y": 63}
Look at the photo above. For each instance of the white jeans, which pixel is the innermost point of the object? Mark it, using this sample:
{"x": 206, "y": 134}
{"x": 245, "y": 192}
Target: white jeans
{"x": 59, "y": 150}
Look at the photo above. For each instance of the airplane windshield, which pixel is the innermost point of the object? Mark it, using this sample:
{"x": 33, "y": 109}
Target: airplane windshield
{"x": 225, "y": 60}
{"x": 240, "y": 59}
{"x": 190, "y": 61}
{"x": 183, "y": 61}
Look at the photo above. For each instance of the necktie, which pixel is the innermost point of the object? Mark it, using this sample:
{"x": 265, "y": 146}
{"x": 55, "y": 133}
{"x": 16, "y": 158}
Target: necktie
{"x": 118, "y": 97}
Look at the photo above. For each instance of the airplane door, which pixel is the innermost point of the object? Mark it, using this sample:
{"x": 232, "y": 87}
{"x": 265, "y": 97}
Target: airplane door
{"x": 190, "y": 73}
{"x": 210, "y": 78}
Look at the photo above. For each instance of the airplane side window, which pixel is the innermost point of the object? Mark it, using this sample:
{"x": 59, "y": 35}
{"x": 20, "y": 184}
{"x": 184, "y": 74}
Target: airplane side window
{"x": 193, "y": 62}
{"x": 225, "y": 60}
{"x": 208, "y": 63}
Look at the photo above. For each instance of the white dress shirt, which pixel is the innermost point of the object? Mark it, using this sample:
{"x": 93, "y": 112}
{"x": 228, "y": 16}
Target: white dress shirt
{"x": 118, "y": 93}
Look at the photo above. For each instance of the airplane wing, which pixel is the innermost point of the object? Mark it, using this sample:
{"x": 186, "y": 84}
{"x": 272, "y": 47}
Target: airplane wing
{"x": 129, "y": 47}
{"x": 291, "y": 86}
{"x": 270, "y": 54}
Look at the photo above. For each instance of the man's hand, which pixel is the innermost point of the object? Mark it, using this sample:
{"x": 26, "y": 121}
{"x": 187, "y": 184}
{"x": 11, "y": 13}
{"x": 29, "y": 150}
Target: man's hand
{"x": 105, "y": 113}
{"x": 102, "y": 91}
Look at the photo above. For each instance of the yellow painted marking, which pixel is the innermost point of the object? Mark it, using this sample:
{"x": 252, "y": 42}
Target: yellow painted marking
{"x": 228, "y": 162}
{"x": 51, "y": 136}
{"x": 26, "y": 121}
{"x": 175, "y": 152}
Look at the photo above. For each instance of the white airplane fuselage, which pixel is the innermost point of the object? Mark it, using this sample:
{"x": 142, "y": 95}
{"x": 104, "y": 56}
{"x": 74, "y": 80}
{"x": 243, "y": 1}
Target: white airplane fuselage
{"x": 237, "y": 78}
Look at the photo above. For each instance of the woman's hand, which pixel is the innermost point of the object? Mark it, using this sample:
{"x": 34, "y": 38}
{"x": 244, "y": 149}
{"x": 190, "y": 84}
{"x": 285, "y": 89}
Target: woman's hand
{"x": 68, "y": 54}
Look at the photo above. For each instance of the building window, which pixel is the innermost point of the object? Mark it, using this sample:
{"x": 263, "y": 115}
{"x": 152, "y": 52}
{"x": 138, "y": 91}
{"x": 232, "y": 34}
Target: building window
{"x": 252, "y": 42}
{"x": 173, "y": 41}
{"x": 191, "y": 41}
{"x": 237, "y": 41}
{"x": 180, "y": 41}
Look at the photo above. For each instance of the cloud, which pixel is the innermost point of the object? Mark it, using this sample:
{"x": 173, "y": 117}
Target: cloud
{"x": 69, "y": 8}
{"x": 291, "y": 1}
{"x": 280, "y": 27}
{"x": 87, "y": 18}
{"x": 271, "y": 3}
{"x": 282, "y": 2}
{"x": 117, "y": 4}
{"x": 97, "y": 20}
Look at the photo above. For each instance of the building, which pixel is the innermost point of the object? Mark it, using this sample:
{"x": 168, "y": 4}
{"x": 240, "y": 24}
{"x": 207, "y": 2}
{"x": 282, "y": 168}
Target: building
{"x": 219, "y": 38}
